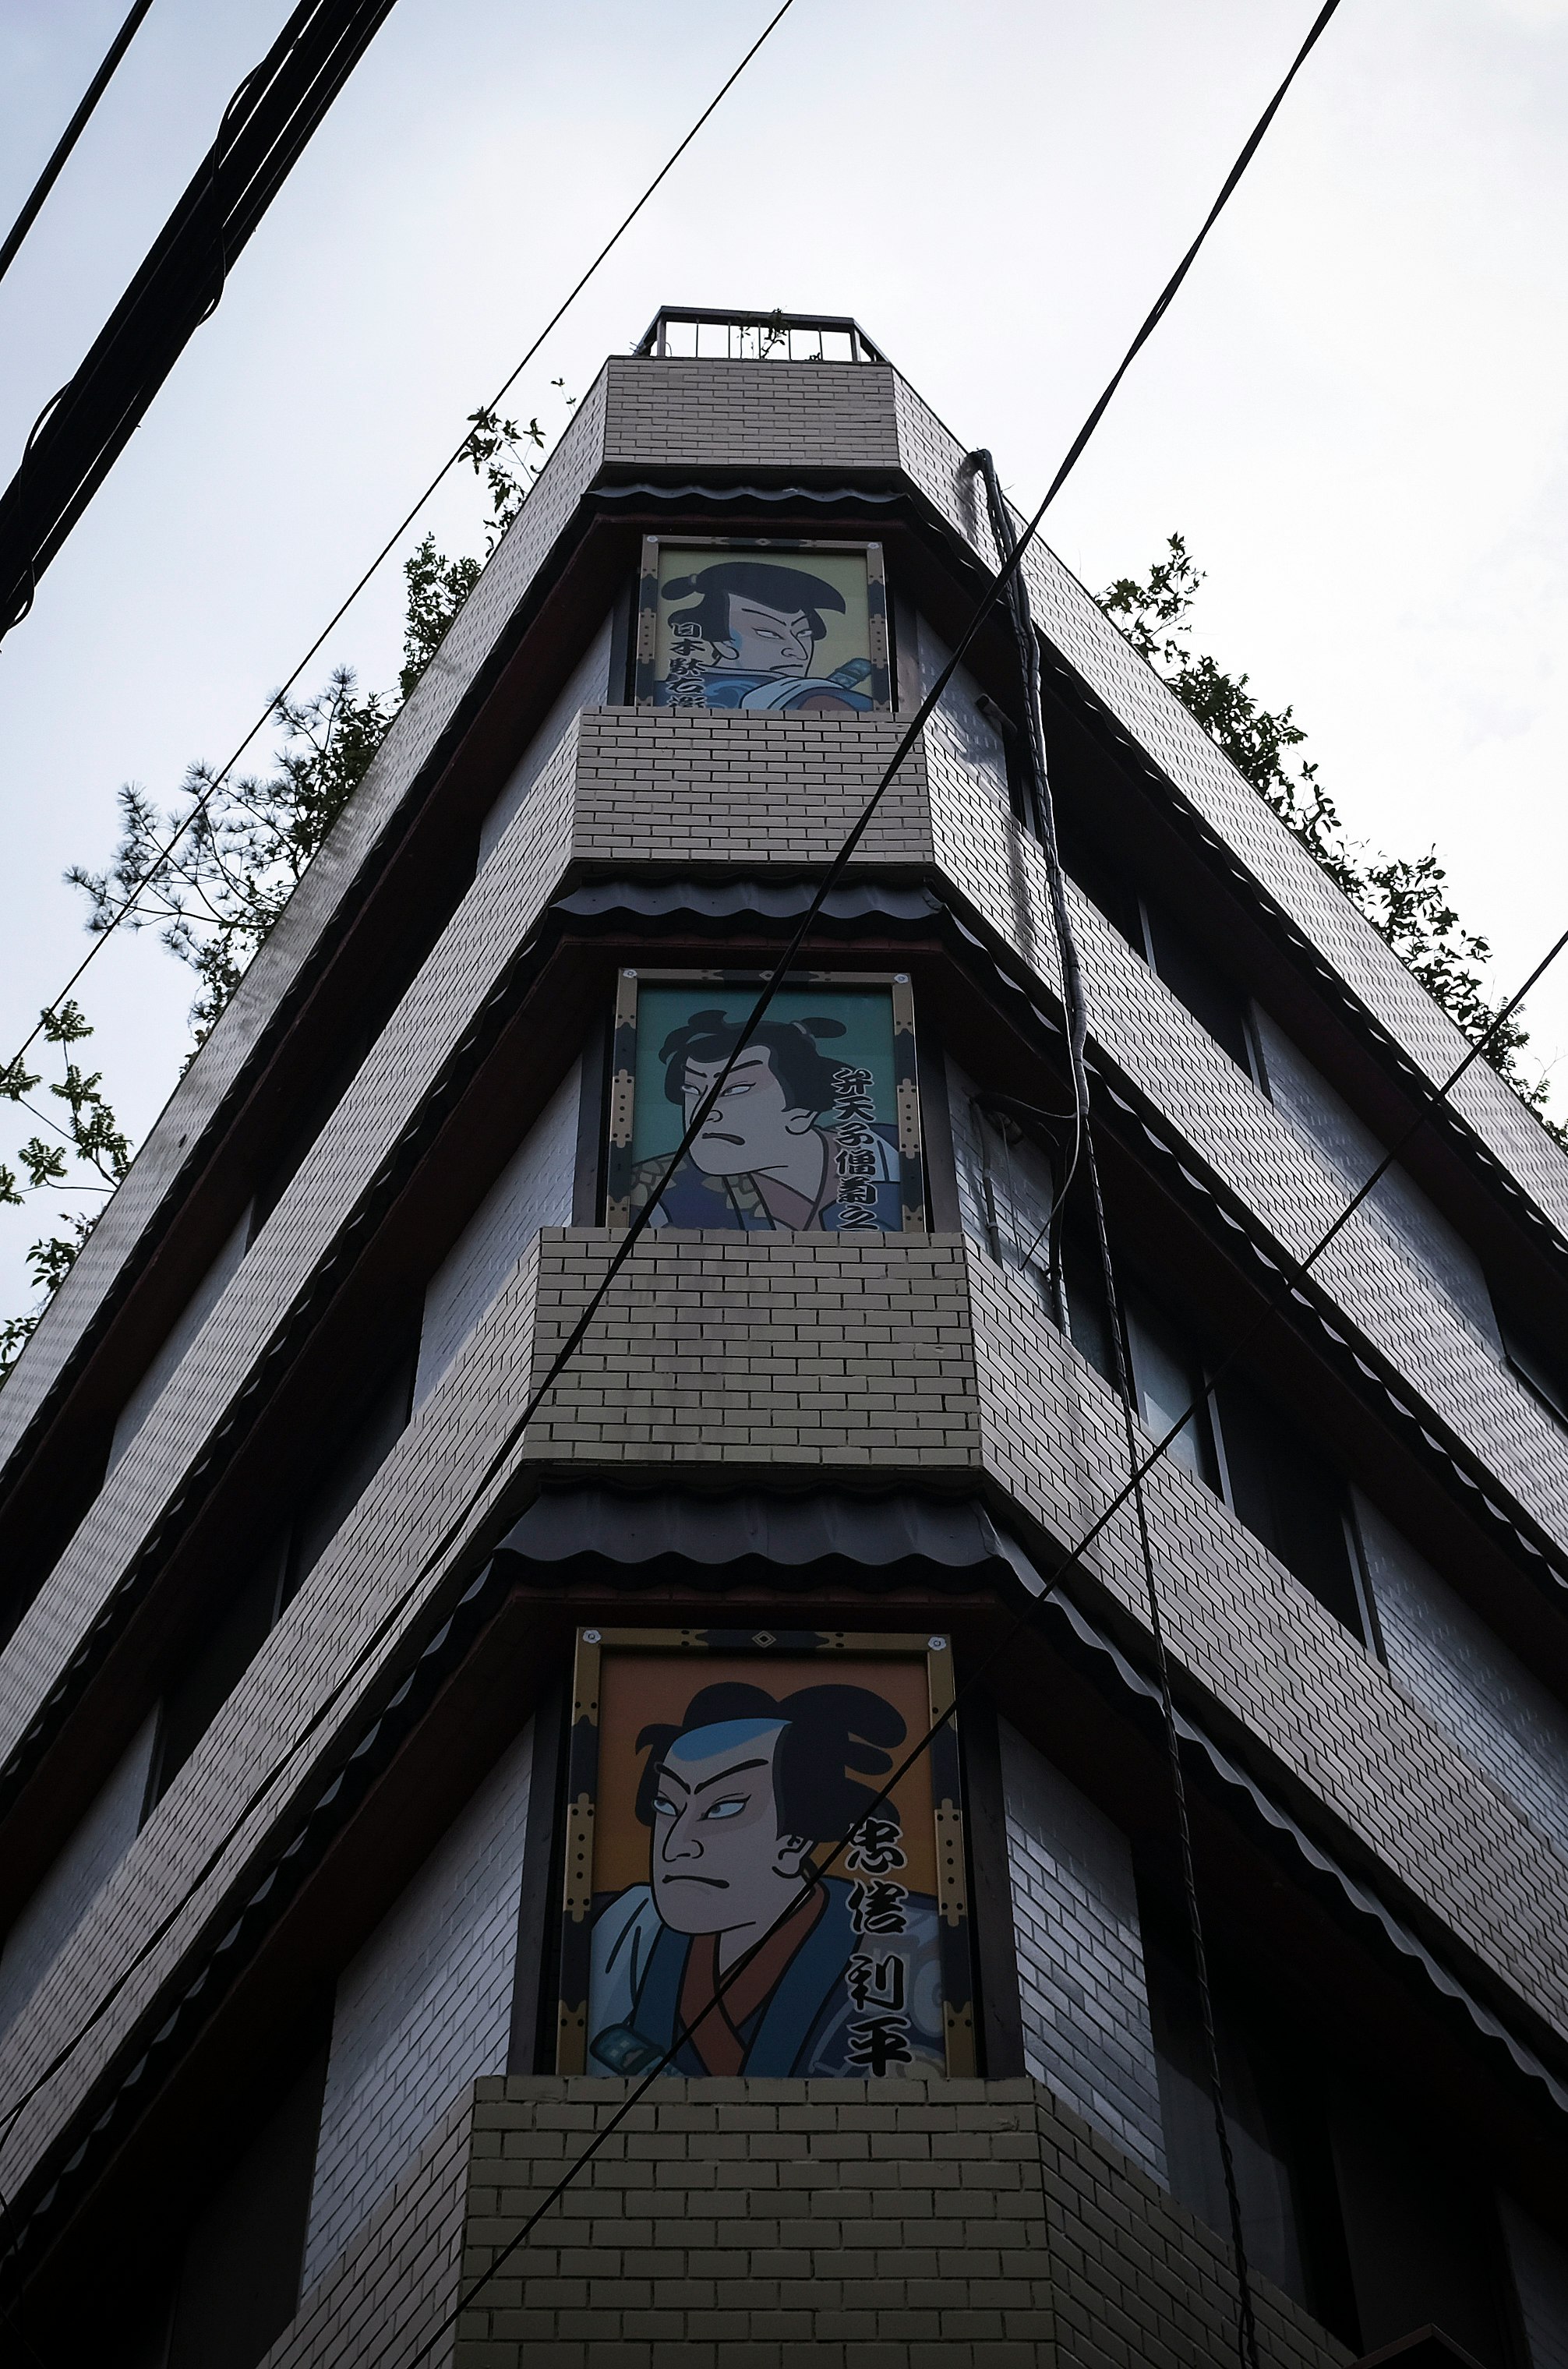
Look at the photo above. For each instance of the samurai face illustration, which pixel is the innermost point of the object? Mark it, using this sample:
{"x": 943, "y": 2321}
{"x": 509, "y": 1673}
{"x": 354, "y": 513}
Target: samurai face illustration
{"x": 752, "y": 617}
{"x": 719, "y": 1861}
{"x": 765, "y": 1122}
{"x": 738, "y": 1795}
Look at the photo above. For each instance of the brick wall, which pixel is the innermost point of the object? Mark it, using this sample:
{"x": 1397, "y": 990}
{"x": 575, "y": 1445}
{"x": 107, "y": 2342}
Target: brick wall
{"x": 1082, "y": 1988}
{"x": 1247, "y": 833}
{"x": 44, "y": 1923}
{"x": 533, "y": 1189}
{"x": 1465, "y": 1678}
{"x": 887, "y": 1357}
{"x": 422, "y": 2010}
{"x": 658, "y": 787}
{"x": 833, "y": 1350}
{"x": 312, "y": 911}
{"x": 623, "y": 784}
{"x": 832, "y": 2225}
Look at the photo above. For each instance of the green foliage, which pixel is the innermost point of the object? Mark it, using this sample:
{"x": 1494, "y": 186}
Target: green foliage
{"x": 1404, "y": 898}
{"x": 211, "y": 873}
{"x": 89, "y": 1155}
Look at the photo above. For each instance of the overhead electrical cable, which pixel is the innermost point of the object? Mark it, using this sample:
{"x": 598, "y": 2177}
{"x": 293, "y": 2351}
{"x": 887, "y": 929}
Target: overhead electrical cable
{"x": 81, "y": 430}
{"x": 69, "y": 137}
{"x": 210, "y": 789}
{"x": 495, "y": 1465}
{"x": 1076, "y": 1010}
{"x": 1026, "y": 1618}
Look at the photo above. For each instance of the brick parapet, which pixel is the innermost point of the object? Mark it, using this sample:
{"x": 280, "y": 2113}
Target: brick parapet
{"x": 824, "y": 1351}
{"x": 681, "y": 414}
{"x": 738, "y": 790}
{"x": 762, "y": 2225}
{"x": 893, "y": 1361}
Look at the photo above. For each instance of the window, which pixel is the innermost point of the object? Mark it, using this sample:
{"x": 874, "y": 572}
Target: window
{"x": 1543, "y": 1373}
{"x": 1167, "y": 1378}
{"x": 1282, "y": 1489}
{"x": 256, "y": 1597}
{"x": 1279, "y": 2138}
{"x": 1236, "y": 1442}
{"x": 1167, "y": 1372}
{"x": 1191, "y": 973}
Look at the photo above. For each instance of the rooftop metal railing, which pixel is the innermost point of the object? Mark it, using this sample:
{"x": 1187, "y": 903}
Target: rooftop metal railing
{"x": 693, "y": 333}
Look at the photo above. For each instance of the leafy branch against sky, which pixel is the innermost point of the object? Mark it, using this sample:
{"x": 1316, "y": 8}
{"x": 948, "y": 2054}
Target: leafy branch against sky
{"x": 1405, "y": 899}
{"x": 239, "y": 850}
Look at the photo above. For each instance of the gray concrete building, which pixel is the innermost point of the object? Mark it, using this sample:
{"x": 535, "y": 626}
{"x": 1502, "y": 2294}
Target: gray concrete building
{"x": 383, "y": 1798}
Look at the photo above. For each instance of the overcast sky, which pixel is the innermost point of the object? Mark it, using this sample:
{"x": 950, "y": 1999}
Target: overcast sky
{"x": 1354, "y": 414}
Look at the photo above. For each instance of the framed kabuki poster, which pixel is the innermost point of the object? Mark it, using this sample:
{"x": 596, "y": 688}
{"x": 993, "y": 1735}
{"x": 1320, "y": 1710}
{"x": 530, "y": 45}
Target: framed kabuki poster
{"x": 773, "y": 629}
{"x": 818, "y": 1128}
{"x": 738, "y": 1897}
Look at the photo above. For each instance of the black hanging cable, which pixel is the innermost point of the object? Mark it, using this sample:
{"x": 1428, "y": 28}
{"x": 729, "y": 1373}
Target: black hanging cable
{"x": 82, "y": 431}
{"x": 1076, "y": 1008}
{"x": 69, "y": 137}
{"x": 494, "y": 1464}
{"x": 1041, "y": 815}
{"x": 1291, "y": 1277}
{"x": 199, "y": 804}
{"x": 1003, "y": 1646}
{"x": 494, "y": 1467}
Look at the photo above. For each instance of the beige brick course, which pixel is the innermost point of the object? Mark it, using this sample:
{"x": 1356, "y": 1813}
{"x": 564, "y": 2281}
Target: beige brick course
{"x": 924, "y": 2224}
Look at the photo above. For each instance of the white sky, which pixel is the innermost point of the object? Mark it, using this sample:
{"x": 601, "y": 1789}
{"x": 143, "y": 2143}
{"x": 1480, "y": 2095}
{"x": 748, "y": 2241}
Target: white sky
{"x": 1356, "y": 413}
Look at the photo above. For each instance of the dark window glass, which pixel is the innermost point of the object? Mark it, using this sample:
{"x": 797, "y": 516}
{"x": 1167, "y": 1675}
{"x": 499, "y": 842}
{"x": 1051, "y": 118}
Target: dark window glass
{"x": 1278, "y": 2135}
{"x": 1422, "y": 2235}
{"x": 1280, "y": 1489}
{"x": 1104, "y": 881}
{"x": 1190, "y": 972}
{"x": 219, "y": 1661}
{"x": 1167, "y": 1374}
{"x": 361, "y": 1458}
{"x": 1168, "y": 1378}
{"x": 1188, "y": 969}
{"x": 239, "y": 2281}
{"x": 1087, "y": 1318}
{"x": 1543, "y": 1374}
{"x": 215, "y": 1668}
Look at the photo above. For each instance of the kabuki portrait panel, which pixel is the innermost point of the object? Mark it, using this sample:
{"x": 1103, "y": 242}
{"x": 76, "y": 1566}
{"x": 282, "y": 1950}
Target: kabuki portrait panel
{"x": 815, "y": 1125}
{"x": 772, "y": 628}
{"x": 740, "y": 1897}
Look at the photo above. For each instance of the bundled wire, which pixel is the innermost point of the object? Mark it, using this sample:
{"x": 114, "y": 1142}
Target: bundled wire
{"x": 82, "y": 431}
{"x": 1075, "y": 1007}
{"x": 211, "y": 787}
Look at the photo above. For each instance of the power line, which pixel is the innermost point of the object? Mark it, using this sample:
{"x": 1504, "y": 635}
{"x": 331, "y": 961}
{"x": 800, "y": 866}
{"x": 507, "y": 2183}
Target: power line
{"x": 210, "y": 789}
{"x": 1140, "y": 1468}
{"x": 1076, "y": 1010}
{"x": 1025, "y": 1618}
{"x": 495, "y": 1463}
{"x": 82, "y": 431}
{"x": 69, "y": 137}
